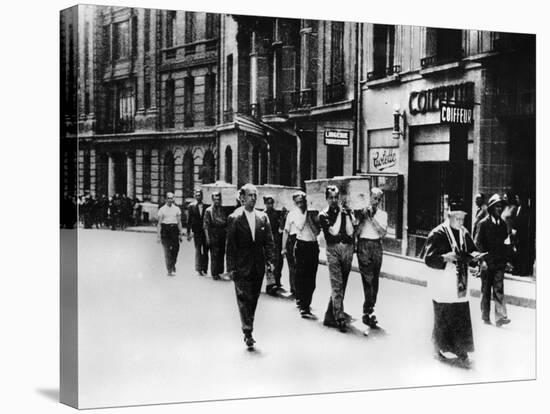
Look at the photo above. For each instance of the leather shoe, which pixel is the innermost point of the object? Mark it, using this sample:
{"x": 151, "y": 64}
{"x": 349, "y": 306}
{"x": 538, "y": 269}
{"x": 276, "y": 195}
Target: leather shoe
{"x": 342, "y": 327}
{"x": 487, "y": 321}
{"x": 503, "y": 321}
{"x": 249, "y": 341}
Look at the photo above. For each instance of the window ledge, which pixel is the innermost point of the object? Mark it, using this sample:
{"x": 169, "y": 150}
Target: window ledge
{"x": 383, "y": 81}
{"x": 441, "y": 68}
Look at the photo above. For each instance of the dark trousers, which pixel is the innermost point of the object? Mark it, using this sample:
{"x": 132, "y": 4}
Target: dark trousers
{"x": 291, "y": 262}
{"x": 369, "y": 256}
{"x": 201, "y": 253}
{"x": 339, "y": 258}
{"x": 277, "y": 261}
{"x": 217, "y": 254}
{"x": 169, "y": 237}
{"x": 247, "y": 291}
{"x": 307, "y": 261}
{"x": 492, "y": 281}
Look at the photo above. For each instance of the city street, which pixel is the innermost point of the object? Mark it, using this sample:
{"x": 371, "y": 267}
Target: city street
{"x": 146, "y": 338}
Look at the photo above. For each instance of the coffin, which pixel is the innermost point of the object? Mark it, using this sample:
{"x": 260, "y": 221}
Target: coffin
{"x": 229, "y": 193}
{"x": 354, "y": 190}
{"x": 282, "y": 195}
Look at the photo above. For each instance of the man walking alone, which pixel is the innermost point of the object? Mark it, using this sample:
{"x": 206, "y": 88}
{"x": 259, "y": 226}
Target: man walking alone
{"x": 169, "y": 232}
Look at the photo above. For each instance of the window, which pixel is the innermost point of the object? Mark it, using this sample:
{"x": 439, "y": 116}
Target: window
{"x": 170, "y": 100}
{"x": 335, "y": 91}
{"x": 121, "y": 40}
{"x": 126, "y": 109}
{"x": 210, "y": 99}
{"x": 337, "y": 53}
{"x": 228, "y": 164}
{"x": 189, "y": 91}
{"x": 189, "y": 27}
{"x": 170, "y": 28}
{"x": 212, "y": 25}
{"x": 107, "y": 42}
{"x": 146, "y": 175}
{"x": 383, "y": 51}
{"x": 442, "y": 45}
{"x": 134, "y": 28}
{"x": 229, "y": 83}
{"x": 146, "y": 30}
{"x": 188, "y": 174}
{"x": 147, "y": 95}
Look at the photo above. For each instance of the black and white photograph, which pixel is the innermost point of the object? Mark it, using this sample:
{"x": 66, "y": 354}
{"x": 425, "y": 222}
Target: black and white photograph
{"x": 270, "y": 206}
{"x": 335, "y": 209}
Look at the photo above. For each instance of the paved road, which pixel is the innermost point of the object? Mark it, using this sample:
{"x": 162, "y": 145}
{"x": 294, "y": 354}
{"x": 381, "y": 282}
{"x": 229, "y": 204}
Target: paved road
{"x": 148, "y": 338}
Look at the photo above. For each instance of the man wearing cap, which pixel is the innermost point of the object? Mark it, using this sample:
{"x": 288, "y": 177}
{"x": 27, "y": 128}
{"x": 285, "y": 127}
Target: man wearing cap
{"x": 249, "y": 252}
{"x": 491, "y": 239}
{"x": 195, "y": 230}
{"x": 289, "y": 241}
{"x": 373, "y": 225}
{"x": 169, "y": 232}
{"x": 274, "y": 279}
{"x": 450, "y": 249}
{"x": 337, "y": 221}
{"x": 215, "y": 223}
{"x": 306, "y": 252}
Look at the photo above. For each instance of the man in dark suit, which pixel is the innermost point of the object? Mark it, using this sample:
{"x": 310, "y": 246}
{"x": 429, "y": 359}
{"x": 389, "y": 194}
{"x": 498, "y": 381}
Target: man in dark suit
{"x": 490, "y": 238}
{"x": 195, "y": 224}
{"x": 249, "y": 248}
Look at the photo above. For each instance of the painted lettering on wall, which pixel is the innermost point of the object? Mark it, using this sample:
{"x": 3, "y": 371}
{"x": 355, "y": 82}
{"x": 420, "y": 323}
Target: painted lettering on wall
{"x": 383, "y": 159}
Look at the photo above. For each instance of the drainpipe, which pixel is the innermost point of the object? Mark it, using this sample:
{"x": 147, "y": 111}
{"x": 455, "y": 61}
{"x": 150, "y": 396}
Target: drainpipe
{"x": 358, "y": 136}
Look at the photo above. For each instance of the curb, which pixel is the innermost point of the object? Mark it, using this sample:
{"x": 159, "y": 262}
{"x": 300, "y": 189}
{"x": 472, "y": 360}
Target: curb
{"x": 475, "y": 293}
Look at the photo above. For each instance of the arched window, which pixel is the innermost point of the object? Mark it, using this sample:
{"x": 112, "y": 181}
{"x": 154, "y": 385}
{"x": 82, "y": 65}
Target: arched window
{"x": 208, "y": 168}
{"x": 228, "y": 164}
{"x": 188, "y": 175}
{"x": 168, "y": 172}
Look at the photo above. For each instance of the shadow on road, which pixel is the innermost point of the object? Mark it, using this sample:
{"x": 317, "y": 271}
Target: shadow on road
{"x": 51, "y": 393}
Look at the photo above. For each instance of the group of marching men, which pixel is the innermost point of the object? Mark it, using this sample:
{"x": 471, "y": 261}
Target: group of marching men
{"x": 255, "y": 244}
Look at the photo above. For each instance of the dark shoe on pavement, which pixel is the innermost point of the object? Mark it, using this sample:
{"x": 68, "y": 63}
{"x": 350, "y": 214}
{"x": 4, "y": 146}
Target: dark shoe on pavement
{"x": 487, "y": 321}
{"x": 370, "y": 321}
{"x": 331, "y": 323}
{"x": 503, "y": 321}
{"x": 216, "y": 277}
{"x": 306, "y": 313}
{"x": 342, "y": 326}
{"x": 249, "y": 341}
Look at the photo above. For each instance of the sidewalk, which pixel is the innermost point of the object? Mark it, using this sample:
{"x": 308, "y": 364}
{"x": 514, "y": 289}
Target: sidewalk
{"x": 519, "y": 291}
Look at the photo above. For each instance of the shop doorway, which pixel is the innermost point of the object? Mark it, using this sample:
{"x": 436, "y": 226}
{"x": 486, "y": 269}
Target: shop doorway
{"x": 335, "y": 160}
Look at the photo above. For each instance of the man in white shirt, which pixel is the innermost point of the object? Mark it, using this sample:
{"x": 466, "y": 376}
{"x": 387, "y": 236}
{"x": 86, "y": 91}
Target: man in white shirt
{"x": 372, "y": 228}
{"x": 289, "y": 242}
{"x": 249, "y": 250}
{"x": 306, "y": 252}
{"x": 169, "y": 232}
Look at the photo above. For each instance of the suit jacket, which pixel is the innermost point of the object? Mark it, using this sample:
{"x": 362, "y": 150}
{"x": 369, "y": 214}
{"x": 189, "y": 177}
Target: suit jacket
{"x": 215, "y": 224}
{"x": 490, "y": 238}
{"x": 195, "y": 221}
{"x": 243, "y": 254}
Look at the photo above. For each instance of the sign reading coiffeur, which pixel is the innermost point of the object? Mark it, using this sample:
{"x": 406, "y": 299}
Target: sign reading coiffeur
{"x": 383, "y": 160}
{"x": 452, "y": 114}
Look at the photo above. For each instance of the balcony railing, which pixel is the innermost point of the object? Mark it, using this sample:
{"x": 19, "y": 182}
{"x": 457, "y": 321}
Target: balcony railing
{"x": 303, "y": 99}
{"x": 379, "y": 74}
{"x": 273, "y": 106}
{"x": 441, "y": 59}
{"x": 335, "y": 92}
{"x": 228, "y": 115}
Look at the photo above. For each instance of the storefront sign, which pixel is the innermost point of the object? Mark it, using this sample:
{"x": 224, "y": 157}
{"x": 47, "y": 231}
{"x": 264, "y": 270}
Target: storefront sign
{"x": 431, "y": 100}
{"x": 337, "y": 137}
{"x": 383, "y": 160}
{"x": 452, "y": 114}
